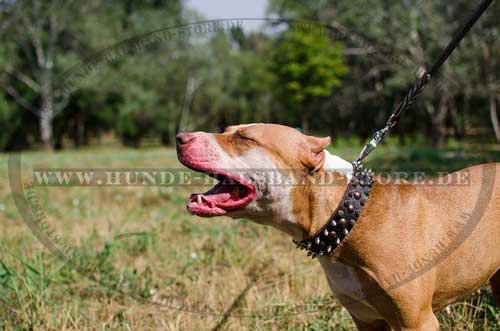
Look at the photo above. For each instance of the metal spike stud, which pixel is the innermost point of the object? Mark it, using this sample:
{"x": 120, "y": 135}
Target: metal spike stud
{"x": 317, "y": 240}
{"x": 325, "y": 232}
{"x": 329, "y": 249}
{"x": 357, "y": 195}
{"x": 342, "y": 221}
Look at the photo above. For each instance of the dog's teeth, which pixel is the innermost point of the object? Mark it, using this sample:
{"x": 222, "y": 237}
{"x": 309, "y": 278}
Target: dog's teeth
{"x": 199, "y": 199}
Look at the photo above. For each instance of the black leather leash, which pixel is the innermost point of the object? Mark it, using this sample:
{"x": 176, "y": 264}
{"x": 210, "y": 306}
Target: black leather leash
{"x": 352, "y": 204}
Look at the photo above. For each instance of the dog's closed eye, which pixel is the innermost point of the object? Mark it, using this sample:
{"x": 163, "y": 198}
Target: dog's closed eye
{"x": 244, "y": 136}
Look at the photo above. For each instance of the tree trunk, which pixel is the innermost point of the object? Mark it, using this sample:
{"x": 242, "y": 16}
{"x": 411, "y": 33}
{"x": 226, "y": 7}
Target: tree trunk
{"x": 466, "y": 112}
{"x": 165, "y": 138}
{"x": 46, "y": 110}
{"x": 192, "y": 85}
{"x": 494, "y": 117}
{"x": 79, "y": 128}
{"x": 305, "y": 121}
{"x": 437, "y": 132}
{"x": 45, "y": 122}
{"x": 438, "y": 120}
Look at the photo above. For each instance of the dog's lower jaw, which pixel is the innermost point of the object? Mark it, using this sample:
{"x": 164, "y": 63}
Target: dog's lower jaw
{"x": 280, "y": 219}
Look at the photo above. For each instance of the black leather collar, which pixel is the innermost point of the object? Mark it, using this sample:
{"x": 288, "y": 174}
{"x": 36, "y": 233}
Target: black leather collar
{"x": 343, "y": 218}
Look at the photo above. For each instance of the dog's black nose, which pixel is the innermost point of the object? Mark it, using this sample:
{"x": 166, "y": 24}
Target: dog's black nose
{"x": 183, "y": 138}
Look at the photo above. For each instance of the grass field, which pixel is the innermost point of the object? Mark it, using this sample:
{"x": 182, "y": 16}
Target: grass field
{"x": 157, "y": 268}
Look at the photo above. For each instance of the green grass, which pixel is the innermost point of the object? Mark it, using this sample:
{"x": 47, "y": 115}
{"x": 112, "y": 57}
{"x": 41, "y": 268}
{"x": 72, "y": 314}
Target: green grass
{"x": 153, "y": 263}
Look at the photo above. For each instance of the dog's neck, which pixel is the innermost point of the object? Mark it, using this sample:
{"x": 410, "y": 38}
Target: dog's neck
{"x": 314, "y": 203}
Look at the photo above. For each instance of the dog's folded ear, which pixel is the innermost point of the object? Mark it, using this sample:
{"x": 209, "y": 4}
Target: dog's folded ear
{"x": 234, "y": 128}
{"x": 231, "y": 129}
{"x": 312, "y": 154}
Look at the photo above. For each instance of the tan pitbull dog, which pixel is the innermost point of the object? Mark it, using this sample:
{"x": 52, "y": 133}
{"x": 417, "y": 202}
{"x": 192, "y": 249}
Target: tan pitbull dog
{"x": 414, "y": 250}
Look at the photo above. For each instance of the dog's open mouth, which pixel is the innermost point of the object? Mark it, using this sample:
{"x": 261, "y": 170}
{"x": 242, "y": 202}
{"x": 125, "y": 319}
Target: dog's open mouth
{"x": 230, "y": 194}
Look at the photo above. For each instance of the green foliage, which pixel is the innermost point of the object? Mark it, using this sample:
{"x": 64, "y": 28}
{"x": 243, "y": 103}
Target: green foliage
{"x": 134, "y": 118}
{"x": 328, "y": 80}
{"x": 308, "y": 65}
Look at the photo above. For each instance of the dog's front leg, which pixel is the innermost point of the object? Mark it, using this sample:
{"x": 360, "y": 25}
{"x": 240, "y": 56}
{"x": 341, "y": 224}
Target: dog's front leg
{"x": 379, "y": 325}
{"x": 423, "y": 322}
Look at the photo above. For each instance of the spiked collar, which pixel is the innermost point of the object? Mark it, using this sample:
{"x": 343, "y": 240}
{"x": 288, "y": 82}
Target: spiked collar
{"x": 343, "y": 219}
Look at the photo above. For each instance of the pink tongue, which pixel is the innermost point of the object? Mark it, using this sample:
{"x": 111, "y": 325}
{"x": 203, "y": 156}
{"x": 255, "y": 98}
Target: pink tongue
{"x": 218, "y": 197}
{"x": 221, "y": 193}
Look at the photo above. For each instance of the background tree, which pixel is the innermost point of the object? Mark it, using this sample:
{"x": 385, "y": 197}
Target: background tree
{"x": 43, "y": 30}
{"x": 307, "y": 67}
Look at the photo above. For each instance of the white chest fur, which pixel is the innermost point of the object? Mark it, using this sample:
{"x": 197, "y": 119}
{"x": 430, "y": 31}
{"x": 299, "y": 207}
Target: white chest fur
{"x": 337, "y": 164}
